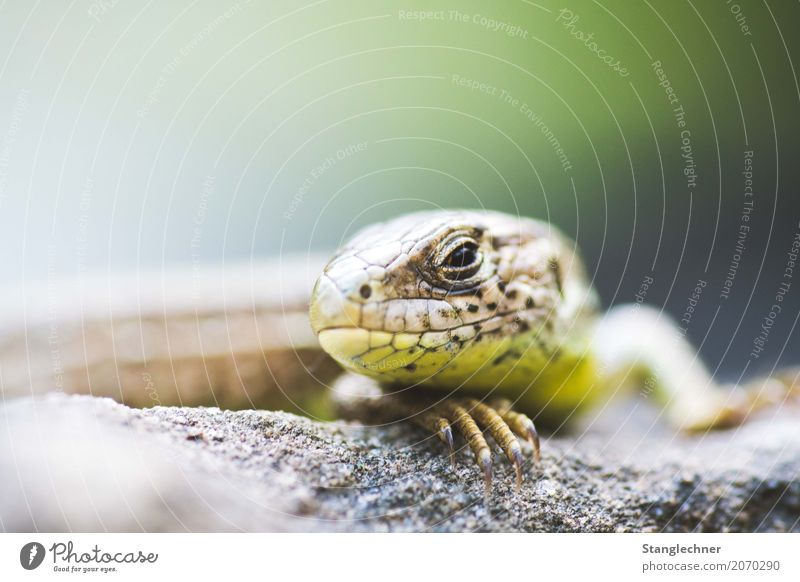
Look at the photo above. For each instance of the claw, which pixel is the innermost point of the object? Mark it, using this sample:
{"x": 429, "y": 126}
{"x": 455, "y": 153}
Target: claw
{"x": 518, "y": 469}
{"x": 485, "y": 463}
{"x": 521, "y": 425}
{"x": 446, "y": 435}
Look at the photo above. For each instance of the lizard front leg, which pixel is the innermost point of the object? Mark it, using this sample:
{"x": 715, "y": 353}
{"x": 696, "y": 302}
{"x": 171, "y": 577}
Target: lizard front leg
{"x": 475, "y": 421}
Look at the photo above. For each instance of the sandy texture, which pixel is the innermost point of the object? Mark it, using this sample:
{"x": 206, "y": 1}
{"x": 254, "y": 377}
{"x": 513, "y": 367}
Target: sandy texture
{"x": 83, "y": 464}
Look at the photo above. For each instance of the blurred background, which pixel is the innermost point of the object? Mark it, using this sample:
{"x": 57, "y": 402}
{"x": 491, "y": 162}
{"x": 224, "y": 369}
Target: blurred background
{"x": 662, "y": 135}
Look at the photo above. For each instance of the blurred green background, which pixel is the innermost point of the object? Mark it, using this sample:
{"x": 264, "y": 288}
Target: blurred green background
{"x": 144, "y": 135}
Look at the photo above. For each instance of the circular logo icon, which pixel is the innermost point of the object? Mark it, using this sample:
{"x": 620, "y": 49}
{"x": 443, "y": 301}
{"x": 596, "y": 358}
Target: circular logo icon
{"x": 31, "y": 555}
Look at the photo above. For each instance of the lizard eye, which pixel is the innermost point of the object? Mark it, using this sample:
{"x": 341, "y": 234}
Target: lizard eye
{"x": 461, "y": 259}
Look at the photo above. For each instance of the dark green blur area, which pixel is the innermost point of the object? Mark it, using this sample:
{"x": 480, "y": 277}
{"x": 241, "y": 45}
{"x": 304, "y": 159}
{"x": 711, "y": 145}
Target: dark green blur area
{"x": 313, "y": 120}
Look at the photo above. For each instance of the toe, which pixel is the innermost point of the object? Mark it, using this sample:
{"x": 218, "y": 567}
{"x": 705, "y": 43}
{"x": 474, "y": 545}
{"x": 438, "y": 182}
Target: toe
{"x": 489, "y": 419}
{"x": 520, "y": 424}
{"x": 438, "y": 425}
{"x": 463, "y": 422}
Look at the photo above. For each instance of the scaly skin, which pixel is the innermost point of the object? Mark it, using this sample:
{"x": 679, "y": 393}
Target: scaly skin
{"x": 518, "y": 328}
{"x": 494, "y": 311}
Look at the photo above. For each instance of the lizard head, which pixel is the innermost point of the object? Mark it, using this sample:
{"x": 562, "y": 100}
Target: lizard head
{"x": 435, "y": 297}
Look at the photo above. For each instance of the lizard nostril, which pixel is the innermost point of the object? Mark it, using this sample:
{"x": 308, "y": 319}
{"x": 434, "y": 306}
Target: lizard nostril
{"x": 365, "y": 291}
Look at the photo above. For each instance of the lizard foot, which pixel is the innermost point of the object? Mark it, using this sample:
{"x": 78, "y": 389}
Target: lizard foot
{"x": 470, "y": 418}
{"x": 359, "y": 397}
{"x": 733, "y": 406}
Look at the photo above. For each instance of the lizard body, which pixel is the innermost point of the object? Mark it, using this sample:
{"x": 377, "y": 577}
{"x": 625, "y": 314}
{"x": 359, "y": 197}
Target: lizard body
{"x": 490, "y": 320}
{"x": 235, "y": 336}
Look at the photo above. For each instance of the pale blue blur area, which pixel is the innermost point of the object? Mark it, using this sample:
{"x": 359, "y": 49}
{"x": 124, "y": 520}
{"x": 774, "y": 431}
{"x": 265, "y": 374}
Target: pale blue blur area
{"x": 151, "y": 135}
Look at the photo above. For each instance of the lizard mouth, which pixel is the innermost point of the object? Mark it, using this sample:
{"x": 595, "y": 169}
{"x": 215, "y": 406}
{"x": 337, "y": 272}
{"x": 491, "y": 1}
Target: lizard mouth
{"x": 401, "y": 338}
{"x": 378, "y": 350}
{"x": 371, "y": 351}
{"x": 382, "y": 353}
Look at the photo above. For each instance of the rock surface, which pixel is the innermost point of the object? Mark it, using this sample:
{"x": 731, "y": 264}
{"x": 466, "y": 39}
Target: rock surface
{"x": 77, "y": 463}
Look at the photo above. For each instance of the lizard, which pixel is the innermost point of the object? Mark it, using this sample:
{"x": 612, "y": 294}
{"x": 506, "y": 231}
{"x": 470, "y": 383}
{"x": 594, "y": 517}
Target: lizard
{"x": 493, "y": 324}
{"x": 480, "y": 322}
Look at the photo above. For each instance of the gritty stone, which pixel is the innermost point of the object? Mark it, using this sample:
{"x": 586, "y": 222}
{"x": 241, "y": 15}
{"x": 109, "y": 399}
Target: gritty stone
{"x": 77, "y": 463}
